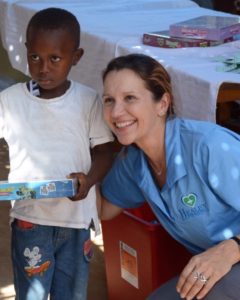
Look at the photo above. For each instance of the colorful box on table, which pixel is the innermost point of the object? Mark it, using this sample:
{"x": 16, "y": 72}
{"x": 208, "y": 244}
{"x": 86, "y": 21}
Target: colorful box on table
{"x": 163, "y": 39}
{"x": 207, "y": 27}
{"x": 38, "y": 189}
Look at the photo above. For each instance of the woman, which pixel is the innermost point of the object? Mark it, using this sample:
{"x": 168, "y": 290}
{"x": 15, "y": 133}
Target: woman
{"x": 188, "y": 171}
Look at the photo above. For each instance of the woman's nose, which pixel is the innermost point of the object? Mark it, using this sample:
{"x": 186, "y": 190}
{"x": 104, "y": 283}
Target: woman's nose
{"x": 117, "y": 110}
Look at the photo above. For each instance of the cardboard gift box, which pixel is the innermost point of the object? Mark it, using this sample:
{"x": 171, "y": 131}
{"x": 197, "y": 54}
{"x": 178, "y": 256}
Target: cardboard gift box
{"x": 38, "y": 189}
{"x": 163, "y": 39}
{"x": 207, "y": 27}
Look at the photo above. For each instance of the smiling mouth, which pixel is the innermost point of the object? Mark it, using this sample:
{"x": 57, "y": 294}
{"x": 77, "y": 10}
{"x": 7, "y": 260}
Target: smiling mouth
{"x": 125, "y": 124}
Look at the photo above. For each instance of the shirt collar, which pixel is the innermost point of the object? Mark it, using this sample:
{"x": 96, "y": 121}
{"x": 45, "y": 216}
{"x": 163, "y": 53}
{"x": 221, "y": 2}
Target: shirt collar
{"x": 174, "y": 158}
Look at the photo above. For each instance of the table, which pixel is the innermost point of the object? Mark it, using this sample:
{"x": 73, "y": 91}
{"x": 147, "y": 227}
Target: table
{"x": 197, "y": 86}
{"x": 112, "y": 28}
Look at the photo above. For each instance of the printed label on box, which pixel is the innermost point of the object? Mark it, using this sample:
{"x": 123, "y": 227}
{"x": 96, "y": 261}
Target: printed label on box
{"x": 37, "y": 189}
{"x": 128, "y": 261}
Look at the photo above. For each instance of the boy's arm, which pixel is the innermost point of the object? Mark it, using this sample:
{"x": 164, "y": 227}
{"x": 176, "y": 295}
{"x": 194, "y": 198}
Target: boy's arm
{"x": 102, "y": 159}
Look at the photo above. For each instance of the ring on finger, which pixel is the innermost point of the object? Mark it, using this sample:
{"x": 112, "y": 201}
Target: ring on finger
{"x": 197, "y": 275}
{"x": 201, "y": 277}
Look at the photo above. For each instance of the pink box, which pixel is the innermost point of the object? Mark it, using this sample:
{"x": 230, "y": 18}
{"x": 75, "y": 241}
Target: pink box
{"x": 163, "y": 39}
{"x": 207, "y": 27}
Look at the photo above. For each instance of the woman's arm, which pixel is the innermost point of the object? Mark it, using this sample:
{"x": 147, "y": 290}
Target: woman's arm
{"x": 106, "y": 210}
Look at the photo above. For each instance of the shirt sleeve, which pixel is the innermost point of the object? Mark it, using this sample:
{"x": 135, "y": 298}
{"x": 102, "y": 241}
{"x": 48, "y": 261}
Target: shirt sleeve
{"x": 119, "y": 186}
{"x": 99, "y": 131}
{"x": 224, "y": 166}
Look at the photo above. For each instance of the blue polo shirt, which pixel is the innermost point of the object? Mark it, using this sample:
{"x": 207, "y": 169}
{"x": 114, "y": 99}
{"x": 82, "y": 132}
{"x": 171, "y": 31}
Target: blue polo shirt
{"x": 199, "y": 204}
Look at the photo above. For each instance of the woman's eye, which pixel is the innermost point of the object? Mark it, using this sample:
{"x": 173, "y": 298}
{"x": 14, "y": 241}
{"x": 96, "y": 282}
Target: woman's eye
{"x": 129, "y": 97}
{"x": 107, "y": 101}
{"x": 55, "y": 59}
{"x": 34, "y": 57}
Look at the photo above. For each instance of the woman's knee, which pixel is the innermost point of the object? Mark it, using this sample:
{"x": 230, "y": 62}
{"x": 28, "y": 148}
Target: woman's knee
{"x": 228, "y": 288}
{"x": 166, "y": 291}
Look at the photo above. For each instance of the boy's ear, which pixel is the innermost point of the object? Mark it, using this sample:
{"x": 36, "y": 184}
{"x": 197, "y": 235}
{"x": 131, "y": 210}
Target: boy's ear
{"x": 77, "y": 55}
{"x": 163, "y": 105}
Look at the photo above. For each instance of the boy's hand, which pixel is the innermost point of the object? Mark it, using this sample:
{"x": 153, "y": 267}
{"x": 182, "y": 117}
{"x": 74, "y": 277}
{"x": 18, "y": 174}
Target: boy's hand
{"x": 84, "y": 186}
{"x": 102, "y": 158}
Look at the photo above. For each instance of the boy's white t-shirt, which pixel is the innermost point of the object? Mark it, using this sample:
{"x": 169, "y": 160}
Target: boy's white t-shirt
{"x": 49, "y": 139}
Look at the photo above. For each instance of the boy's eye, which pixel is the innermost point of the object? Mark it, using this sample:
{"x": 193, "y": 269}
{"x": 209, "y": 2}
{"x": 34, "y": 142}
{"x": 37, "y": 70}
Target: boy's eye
{"x": 34, "y": 57}
{"x": 55, "y": 59}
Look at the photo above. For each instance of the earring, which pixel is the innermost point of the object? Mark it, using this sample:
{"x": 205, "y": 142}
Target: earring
{"x": 161, "y": 114}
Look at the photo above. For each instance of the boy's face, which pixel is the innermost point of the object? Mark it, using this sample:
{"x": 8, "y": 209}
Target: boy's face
{"x": 51, "y": 54}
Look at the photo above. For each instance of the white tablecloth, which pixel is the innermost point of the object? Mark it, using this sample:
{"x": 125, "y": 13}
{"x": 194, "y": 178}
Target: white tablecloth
{"x": 193, "y": 73}
{"x": 111, "y": 28}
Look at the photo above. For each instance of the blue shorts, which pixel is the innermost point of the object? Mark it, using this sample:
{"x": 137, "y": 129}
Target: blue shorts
{"x": 50, "y": 260}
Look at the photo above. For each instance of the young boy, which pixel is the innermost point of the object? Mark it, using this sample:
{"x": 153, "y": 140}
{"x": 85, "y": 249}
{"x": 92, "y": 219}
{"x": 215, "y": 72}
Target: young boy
{"x": 50, "y": 124}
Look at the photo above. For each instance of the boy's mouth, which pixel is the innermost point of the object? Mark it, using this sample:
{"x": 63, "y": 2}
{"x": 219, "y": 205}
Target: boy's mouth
{"x": 45, "y": 82}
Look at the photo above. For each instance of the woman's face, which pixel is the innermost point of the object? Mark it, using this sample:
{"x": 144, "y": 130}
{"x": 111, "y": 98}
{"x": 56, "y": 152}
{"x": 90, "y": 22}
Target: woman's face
{"x": 129, "y": 108}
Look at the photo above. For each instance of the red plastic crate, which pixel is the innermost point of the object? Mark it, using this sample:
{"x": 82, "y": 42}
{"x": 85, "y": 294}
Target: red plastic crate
{"x": 139, "y": 255}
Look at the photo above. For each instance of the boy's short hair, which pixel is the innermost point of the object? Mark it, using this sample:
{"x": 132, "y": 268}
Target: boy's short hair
{"x": 55, "y": 18}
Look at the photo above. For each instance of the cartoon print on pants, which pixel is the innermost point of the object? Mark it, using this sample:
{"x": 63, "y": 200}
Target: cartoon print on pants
{"x": 88, "y": 251}
{"x": 34, "y": 258}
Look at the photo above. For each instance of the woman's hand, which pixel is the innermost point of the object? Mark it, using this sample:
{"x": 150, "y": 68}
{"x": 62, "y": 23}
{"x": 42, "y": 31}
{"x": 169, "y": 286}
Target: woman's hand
{"x": 205, "y": 269}
{"x": 83, "y": 186}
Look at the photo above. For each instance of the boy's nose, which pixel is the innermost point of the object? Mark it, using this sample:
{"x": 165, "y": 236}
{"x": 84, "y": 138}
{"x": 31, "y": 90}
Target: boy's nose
{"x": 44, "y": 68}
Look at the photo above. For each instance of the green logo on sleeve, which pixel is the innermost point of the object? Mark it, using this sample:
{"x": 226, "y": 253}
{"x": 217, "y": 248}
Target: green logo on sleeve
{"x": 189, "y": 200}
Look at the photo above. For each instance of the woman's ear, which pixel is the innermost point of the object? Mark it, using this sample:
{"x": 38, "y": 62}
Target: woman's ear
{"x": 77, "y": 55}
{"x": 163, "y": 105}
